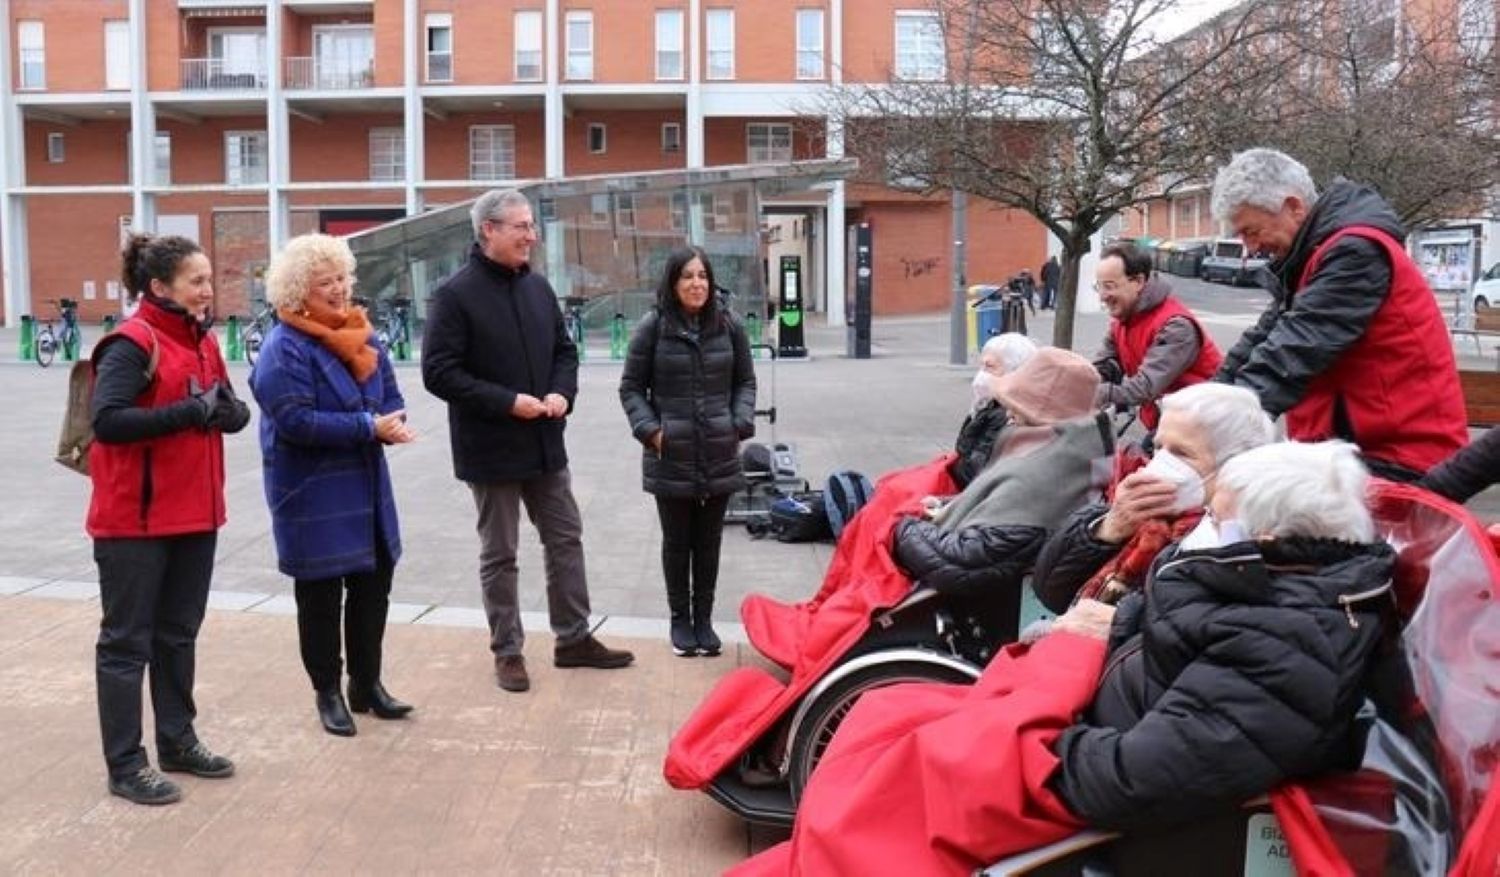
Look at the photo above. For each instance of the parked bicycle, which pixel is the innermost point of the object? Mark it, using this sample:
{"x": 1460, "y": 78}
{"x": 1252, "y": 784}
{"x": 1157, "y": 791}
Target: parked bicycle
{"x": 393, "y": 326}
{"x": 69, "y": 338}
{"x": 255, "y": 332}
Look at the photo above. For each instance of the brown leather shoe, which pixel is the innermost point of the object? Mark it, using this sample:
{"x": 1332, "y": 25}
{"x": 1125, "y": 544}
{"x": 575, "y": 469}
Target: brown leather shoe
{"x": 510, "y": 673}
{"x": 589, "y": 652}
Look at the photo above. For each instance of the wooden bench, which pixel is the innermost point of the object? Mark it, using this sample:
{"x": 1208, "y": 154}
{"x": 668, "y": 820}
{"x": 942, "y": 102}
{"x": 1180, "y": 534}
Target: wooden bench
{"x": 1481, "y": 396}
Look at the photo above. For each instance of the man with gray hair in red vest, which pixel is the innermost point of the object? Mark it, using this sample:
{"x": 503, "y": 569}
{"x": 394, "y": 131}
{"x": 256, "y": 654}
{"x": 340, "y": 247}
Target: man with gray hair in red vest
{"x": 1155, "y": 344}
{"x": 1353, "y": 345}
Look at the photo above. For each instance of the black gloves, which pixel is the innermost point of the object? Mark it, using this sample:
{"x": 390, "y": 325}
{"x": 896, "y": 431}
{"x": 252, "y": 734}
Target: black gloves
{"x": 203, "y": 400}
{"x": 217, "y": 406}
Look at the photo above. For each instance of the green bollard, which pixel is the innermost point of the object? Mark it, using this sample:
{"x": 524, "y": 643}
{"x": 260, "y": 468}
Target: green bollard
{"x": 403, "y": 345}
{"x": 234, "y": 343}
{"x": 109, "y": 323}
{"x": 753, "y": 329}
{"x": 617, "y": 340}
{"x": 28, "y": 338}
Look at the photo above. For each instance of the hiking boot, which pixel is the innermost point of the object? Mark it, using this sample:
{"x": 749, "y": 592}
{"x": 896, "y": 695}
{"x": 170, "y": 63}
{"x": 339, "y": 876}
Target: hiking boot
{"x": 145, "y": 786}
{"x": 510, "y": 673}
{"x": 589, "y": 652}
{"x": 196, "y": 760}
{"x": 684, "y": 643}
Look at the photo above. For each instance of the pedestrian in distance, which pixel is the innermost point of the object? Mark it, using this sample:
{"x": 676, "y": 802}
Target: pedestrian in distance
{"x": 1352, "y": 345}
{"x": 497, "y": 351}
{"x": 688, "y": 389}
{"x": 329, "y": 405}
{"x": 157, "y": 467}
{"x": 1051, "y": 275}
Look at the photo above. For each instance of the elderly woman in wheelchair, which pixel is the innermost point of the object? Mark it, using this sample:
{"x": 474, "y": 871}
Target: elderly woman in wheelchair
{"x": 1239, "y": 665}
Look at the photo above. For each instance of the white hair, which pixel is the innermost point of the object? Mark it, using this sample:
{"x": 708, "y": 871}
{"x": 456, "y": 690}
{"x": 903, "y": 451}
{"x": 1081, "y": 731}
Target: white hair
{"x": 1011, "y": 348}
{"x": 1262, "y": 178}
{"x": 1230, "y": 416}
{"x": 1293, "y": 489}
{"x": 492, "y": 205}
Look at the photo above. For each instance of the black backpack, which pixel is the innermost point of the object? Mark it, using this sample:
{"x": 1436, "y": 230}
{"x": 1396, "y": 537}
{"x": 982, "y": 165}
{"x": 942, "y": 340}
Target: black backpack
{"x": 800, "y": 517}
{"x": 844, "y": 495}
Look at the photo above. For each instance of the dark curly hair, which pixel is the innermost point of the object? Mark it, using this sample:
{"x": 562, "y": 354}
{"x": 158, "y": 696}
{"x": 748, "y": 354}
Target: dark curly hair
{"x": 666, "y": 293}
{"x": 152, "y": 257}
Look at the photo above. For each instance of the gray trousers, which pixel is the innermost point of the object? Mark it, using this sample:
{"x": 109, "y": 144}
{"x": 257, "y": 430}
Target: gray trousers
{"x": 553, "y": 511}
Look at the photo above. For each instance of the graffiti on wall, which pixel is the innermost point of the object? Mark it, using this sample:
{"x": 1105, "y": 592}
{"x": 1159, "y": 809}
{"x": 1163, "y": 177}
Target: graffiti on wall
{"x": 918, "y": 267}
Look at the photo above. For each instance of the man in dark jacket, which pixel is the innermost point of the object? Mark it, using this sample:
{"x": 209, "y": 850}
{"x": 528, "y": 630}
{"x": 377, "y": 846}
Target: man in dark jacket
{"x": 1154, "y": 345}
{"x": 496, "y": 350}
{"x": 1353, "y": 345}
{"x": 1051, "y": 275}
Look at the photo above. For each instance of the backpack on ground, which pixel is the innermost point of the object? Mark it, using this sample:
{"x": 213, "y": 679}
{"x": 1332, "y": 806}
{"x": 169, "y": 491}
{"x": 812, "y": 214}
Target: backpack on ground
{"x": 78, "y": 420}
{"x": 800, "y": 517}
{"x": 844, "y": 495}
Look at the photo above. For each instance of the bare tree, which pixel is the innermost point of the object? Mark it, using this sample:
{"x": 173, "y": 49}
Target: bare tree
{"x": 1402, "y": 102}
{"x": 1071, "y": 110}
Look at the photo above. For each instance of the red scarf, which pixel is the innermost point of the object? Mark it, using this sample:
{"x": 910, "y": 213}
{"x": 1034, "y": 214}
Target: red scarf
{"x": 1127, "y": 571}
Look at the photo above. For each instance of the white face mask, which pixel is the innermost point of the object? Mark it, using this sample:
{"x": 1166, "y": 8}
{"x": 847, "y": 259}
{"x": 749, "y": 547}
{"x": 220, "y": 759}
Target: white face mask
{"x": 981, "y": 387}
{"x": 1170, "y": 467}
{"x": 1211, "y": 534}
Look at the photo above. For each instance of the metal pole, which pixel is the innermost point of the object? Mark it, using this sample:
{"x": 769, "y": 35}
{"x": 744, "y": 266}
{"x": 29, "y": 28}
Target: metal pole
{"x": 957, "y": 319}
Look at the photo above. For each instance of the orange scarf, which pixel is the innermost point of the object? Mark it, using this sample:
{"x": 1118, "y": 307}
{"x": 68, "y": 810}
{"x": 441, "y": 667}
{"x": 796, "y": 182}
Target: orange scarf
{"x": 347, "y": 337}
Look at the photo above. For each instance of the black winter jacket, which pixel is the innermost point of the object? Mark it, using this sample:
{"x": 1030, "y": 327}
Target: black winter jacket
{"x": 976, "y": 441}
{"x": 1070, "y": 558}
{"x": 1244, "y": 667}
{"x": 1470, "y": 469}
{"x": 1299, "y": 337}
{"x": 493, "y": 333}
{"x": 698, "y": 387}
{"x": 970, "y": 561}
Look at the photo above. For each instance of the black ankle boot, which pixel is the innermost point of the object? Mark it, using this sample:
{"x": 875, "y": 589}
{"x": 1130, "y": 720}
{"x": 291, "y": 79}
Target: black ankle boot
{"x": 364, "y": 698}
{"x": 679, "y": 601}
{"x": 334, "y": 713}
{"x": 684, "y": 641}
{"x": 703, "y": 620}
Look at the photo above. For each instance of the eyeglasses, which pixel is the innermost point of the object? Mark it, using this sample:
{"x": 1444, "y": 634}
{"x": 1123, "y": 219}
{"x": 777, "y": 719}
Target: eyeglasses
{"x": 522, "y": 227}
{"x": 1114, "y": 285}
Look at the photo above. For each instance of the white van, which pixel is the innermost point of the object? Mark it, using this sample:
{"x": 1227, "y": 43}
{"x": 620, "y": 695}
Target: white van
{"x": 1228, "y": 262}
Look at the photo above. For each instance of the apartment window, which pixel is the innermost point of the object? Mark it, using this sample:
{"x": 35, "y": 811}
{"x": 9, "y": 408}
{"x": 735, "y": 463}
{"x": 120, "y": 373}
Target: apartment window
{"x": 528, "y": 31}
{"x": 161, "y": 158}
{"x": 492, "y": 152}
{"x": 810, "y": 44}
{"x": 343, "y": 56}
{"x": 919, "y": 46}
{"x": 580, "y": 39}
{"x": 671, "y": 137}
{"x": 669, "y": 44}
{"x": 239, "y": 53}
{"x": 439, "y": 47}
{"x": 720, "y": 38}
{"x": 768, "y": 142}
{"x": 679, "y": 211}
{"x": 387, "y": 155}
{"x": 32, "y": 44}
{"x": 117, "y": 55}
{"x": 599, "y": 209}
{"x": 625, "y": 211}
{"x": 596, "y": 138}
{"x": 245, "y": 157}
{"x": 55, "y": 148}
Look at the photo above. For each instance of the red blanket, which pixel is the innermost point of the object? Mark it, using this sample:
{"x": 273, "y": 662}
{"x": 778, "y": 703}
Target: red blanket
{"x": 940, "y": 779}
{"x": 807, "y": 638}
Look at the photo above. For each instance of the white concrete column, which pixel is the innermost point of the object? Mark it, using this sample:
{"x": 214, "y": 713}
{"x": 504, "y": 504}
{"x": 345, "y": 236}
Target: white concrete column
{"x": 14, "y": 268}
{"x": 552, "y": 104}
{"x": 833, "y": 233}
{"x": 692, "y": 128}
{"x": 142, "y": 126}
{"x": 836, "y": 42}
{"x": 413, "y": 126}
{"x": 278, "y": 137}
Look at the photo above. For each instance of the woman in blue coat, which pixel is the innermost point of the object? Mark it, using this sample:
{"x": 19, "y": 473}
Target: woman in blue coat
{"x": 329, "y": 405}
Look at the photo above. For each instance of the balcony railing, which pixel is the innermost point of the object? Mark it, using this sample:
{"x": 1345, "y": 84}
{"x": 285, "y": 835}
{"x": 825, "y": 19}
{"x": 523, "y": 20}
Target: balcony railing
{"x": 218, "y": 74}
{"x": 329, "y": 74}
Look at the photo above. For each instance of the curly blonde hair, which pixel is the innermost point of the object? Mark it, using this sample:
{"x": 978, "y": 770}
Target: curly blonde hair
{"x": 291, "y": 270}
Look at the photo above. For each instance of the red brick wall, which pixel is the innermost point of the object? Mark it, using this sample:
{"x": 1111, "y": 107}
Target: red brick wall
{"x": 73, "y": 36}
{"x": 765, "y": 38}
{"x": 448, "y": 143}
{"x": 94, "y": 153}
{"x": 632, "y": 140}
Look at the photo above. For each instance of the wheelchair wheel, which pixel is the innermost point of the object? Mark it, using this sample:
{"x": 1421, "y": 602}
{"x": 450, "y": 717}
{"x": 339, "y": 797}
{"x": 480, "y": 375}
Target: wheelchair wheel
{"x": 45, "y": 348}
{"x": 827, "y": 712}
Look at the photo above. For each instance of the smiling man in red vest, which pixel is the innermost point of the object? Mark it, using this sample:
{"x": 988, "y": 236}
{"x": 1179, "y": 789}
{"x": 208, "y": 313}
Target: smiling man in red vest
{"x": 1154, "y": 345}
{"x": 1353, "y": 346}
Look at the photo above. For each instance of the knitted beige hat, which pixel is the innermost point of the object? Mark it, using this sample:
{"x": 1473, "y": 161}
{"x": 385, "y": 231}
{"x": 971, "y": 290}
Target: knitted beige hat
{"x": 1052, "y": 386}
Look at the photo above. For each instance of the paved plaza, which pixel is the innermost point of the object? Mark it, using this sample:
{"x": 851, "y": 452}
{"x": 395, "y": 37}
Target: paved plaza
{"x": 562, "y": 780}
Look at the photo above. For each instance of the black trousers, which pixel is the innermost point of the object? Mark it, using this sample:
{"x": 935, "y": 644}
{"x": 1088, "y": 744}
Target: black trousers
{"x": 153, "y": 593}
{"x": 691, "y": 532}
{"x": 318, "y": 603}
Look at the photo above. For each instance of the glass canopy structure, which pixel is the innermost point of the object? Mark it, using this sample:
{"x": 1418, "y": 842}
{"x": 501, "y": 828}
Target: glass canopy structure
{"x": 605, "y": 239}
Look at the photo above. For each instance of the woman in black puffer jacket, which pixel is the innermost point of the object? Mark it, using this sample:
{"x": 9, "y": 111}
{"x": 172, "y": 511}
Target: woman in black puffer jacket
{"x": 688, "y": 389}
{"x": 1242, "y": 662}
